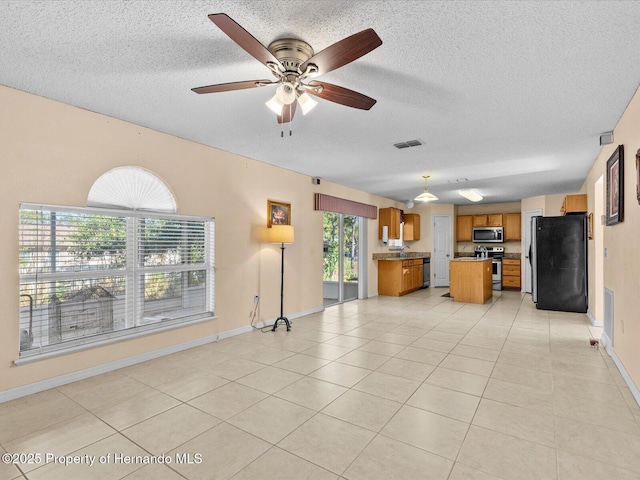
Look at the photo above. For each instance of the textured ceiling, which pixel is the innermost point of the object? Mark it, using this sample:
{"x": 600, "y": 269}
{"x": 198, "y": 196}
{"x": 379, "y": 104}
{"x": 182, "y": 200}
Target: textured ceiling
{"x": 512, "y": 96}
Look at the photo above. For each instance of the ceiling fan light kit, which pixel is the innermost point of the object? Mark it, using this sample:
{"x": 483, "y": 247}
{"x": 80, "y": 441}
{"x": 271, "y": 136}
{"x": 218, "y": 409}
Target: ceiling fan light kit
{"x": 293, "y": 62}
{"x": 306, "y": 103}
{"x": 286, "y": 93}
{"x": 275, "y": 105}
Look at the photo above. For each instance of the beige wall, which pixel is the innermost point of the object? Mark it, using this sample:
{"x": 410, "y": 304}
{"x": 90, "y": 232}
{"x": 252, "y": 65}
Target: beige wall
{"x": 509, "y": 207}
{"x": 621, "y": 265}
{"x": 52, "y": 153}
{"x": 426, "y": 212}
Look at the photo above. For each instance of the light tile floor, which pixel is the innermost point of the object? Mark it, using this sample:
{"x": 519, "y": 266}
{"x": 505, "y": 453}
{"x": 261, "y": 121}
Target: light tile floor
{"x": 417, "y": 387}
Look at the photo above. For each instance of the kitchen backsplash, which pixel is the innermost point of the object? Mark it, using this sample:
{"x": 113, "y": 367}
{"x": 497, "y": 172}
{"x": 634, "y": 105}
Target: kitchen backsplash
{"x": 509, "y": 247}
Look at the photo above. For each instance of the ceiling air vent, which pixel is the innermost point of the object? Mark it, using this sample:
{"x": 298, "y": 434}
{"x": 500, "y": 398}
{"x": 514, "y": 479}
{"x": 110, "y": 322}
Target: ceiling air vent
{"x": 407, "y": 144}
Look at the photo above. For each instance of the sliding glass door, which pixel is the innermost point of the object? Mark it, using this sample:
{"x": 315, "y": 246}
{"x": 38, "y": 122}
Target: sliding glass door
{"x": 341, "y": 240}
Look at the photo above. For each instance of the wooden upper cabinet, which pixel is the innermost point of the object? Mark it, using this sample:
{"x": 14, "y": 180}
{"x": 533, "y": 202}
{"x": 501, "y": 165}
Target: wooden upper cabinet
{"x": 494, "y": 220}
{"x": 488, "y": 220}
{"x": 391, "y": 218}
{"x": 480, "y": 220}
{"x": 411, "y": 230}
{"x": 574, "y": 204}
{"x": 512, "y": 223}
{"x": 464, "y": 228}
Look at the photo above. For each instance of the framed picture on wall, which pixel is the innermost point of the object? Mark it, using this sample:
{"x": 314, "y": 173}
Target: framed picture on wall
{"x": 278, "y": 213}
{"x": 615, "y": 187}
{"x": 638, "y": 175}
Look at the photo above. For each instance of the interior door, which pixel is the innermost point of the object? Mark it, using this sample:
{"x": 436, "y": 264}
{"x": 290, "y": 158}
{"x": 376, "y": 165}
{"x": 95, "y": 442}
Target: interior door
{"x": 441, "y": 250}
{"x": 526, "y": 263}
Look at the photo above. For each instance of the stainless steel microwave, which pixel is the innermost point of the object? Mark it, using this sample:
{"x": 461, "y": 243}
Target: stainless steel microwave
{"x": 488, "y": 235}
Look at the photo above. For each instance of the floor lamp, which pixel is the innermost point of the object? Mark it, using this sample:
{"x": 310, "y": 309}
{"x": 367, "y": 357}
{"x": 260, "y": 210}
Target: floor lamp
{"x": 281, "y": 234}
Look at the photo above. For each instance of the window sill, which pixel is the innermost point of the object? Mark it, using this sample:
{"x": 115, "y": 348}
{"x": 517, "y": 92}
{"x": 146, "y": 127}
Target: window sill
{"x": 36, "y": 357}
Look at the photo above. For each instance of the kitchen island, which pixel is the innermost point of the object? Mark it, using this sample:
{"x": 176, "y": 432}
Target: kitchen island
{"x": 470, "y": 279}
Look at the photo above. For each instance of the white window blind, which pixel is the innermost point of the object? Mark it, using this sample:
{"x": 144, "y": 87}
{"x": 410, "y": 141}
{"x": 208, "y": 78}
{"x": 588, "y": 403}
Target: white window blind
{"x": 88, "y": 275}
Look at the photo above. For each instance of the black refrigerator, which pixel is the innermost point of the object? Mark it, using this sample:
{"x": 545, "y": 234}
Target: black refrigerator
{"x": 559, "y": 263}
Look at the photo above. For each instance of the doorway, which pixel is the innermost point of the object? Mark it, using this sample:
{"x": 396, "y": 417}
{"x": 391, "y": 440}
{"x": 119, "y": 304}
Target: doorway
{"x": 441, "y": 250}
{"x": 597, "y": 316}
{"x": 341, "y": 265}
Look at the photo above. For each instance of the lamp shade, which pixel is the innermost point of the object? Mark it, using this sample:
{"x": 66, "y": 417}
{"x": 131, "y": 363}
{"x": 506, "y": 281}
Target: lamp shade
{"x": 281, "y": 234}
{"x": 286, "y": 93}
{"x": 275, "y": 105}
{"x": 306, "y": 103}
{"x": 425, "y": 196}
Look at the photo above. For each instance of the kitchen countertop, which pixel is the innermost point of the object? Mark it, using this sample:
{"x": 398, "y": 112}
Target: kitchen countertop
{"x": 395, "y": 255}
{"x": 514, "y": 256}
{"x": 469, "y": 259}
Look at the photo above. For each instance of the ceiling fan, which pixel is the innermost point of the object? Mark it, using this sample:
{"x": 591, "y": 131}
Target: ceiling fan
{"x": 294, "y": 63}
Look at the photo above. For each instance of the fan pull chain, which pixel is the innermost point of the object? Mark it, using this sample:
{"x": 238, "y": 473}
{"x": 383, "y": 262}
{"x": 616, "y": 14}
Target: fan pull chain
{"x": 290, "y": 129}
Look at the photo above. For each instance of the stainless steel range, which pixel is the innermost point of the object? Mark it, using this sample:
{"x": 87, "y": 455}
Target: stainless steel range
{"x": 496, "y": 255}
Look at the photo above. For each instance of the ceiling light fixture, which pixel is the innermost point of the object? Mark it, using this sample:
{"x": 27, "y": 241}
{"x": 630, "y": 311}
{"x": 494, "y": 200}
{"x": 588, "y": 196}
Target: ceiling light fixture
{"x": 306, "y": 103}
{"x": 275, "y": 105}
{"x": 425, "y": 196}
{"x": 470, "y": 194}
{"x": 286, "y": 94}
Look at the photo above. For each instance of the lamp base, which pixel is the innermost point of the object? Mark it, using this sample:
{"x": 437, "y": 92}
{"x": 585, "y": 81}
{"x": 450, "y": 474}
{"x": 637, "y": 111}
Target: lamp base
{"x": 285, "y": 320}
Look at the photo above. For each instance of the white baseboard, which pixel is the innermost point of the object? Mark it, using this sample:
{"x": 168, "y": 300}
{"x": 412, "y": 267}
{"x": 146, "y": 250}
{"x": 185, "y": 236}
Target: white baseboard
{"x": 605, "y": 341}
{"x": 60, "y": 380}
{"x": 593, "y": 320}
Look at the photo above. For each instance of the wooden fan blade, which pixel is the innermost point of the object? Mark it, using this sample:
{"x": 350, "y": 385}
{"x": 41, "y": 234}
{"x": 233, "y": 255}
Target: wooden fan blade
{"x": 243, "y": 38}
{"x": 227, "y": 87}
{"x": 341, "y": 95}
{"x": 345, "y": 51}
{"x": 288, "y": 111}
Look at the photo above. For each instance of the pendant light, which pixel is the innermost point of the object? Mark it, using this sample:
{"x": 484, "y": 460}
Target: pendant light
{"x": 425, "y": 196}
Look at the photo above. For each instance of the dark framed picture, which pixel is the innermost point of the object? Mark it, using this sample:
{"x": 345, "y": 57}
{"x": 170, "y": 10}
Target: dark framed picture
{"x": 638, "y": 175}
{"x": 615, "y": 187}
{"x": 278, "y": 213}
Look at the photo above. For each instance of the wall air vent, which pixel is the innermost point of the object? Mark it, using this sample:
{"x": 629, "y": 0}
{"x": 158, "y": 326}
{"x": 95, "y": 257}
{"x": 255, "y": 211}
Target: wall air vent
{"x": 606, "y": 138}
{"x": 407, "y": 144}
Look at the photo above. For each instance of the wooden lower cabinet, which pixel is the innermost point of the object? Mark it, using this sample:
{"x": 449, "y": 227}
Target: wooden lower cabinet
{"x": 399, "y": 277}
{"x": 510, "y": 273}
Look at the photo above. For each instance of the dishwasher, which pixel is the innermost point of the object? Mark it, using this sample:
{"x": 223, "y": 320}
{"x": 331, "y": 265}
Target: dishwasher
{"x": 426, "y": 272}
